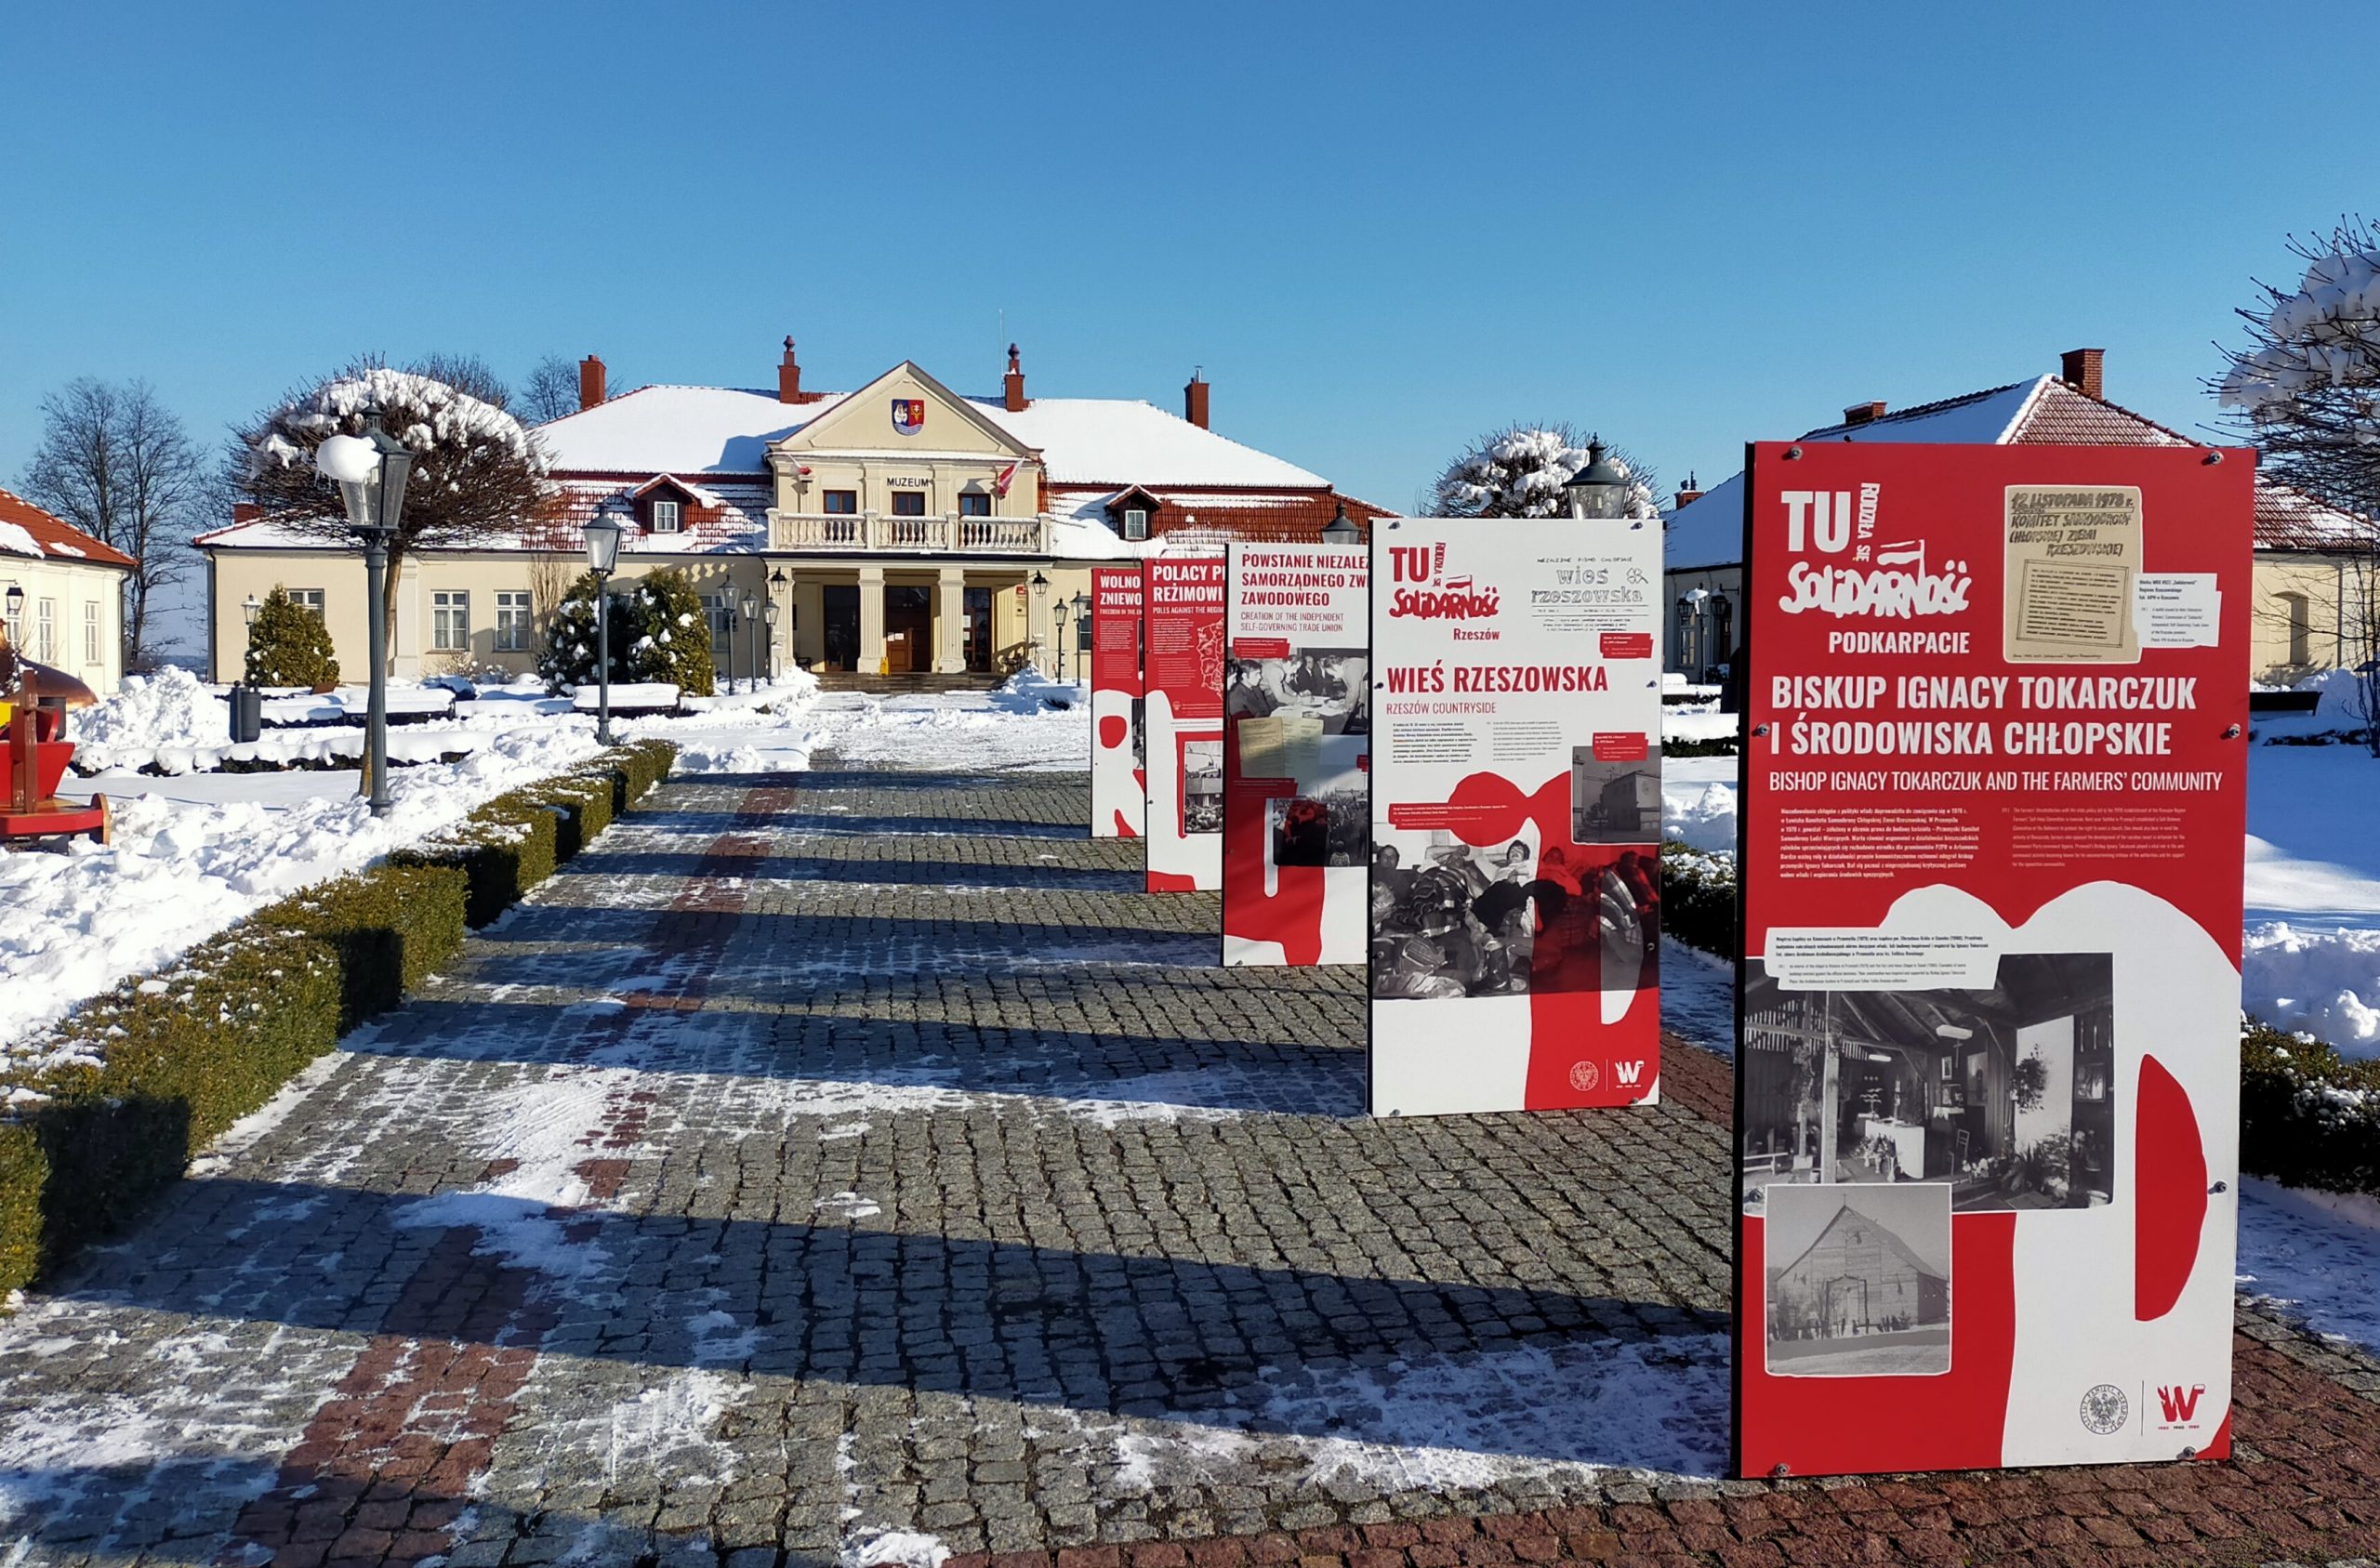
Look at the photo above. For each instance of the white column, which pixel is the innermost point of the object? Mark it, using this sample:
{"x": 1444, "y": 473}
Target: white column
{"x": 950, "y": 621}
{"x": 871, "y": 620}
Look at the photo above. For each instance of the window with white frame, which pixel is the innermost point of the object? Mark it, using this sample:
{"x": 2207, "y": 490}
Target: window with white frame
{"x": 664, "y": 516}
{"x": 90, "y": 631}
{"x": 46, "y": 630}
{"x": 1136, "y": 523}
{"x": 450, "y": 622}
{"x": 512, "y": 623}
{"x": 308, "y": 598}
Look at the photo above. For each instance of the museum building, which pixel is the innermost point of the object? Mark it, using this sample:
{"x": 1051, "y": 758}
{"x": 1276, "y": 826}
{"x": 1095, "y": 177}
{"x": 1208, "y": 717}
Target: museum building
{"x": 901, "y": 530}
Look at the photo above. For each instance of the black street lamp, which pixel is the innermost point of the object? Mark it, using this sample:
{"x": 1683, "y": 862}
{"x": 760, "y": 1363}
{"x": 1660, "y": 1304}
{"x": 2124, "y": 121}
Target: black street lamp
{"x": 1058, "y": 626}
{"x": 751, "y": 610}
{"x": 728, "y": 615}
{"x": 248, "y": 607}
{"x": 777, "y": 581}
{"x": 1341, "y": 532}
{"x": 603, "y": 559}
{"x": 370, "y": 471}
{"x": 16, "y": 608}
{"x": 1598, "y": 493}
{"x": 1041, "y": 594}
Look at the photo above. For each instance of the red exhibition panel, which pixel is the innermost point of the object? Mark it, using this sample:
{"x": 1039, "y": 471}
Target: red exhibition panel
{"x": 1119, "y": 794}
{"x": 1297, "y": 739}
{"x": 1516, "y": 813}
{"x": 1183, "y": 662}
{"x": 1991, "y": 851}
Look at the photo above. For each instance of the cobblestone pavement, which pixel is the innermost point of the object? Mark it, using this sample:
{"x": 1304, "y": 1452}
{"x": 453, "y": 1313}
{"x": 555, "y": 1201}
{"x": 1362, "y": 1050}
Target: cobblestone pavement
{"x": 852, "y": 1166}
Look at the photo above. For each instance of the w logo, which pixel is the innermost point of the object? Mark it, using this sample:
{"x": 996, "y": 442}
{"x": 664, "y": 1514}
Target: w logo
{"x": 2180, "y": 1405}
{"x": 1628, "y": 1072}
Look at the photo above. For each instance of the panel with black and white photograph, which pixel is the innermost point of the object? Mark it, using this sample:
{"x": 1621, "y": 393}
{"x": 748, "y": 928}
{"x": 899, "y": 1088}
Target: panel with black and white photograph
{"x": 1454, "y": 919}
{"x": 2002, "y": 1095}
{"x": 1857, "y": 1280}
{"x": 1328, "y": 822}
{"x": 1616, "y": 802}
{"x": 1329, "y": 684}
{"x": 1202, "y": 786}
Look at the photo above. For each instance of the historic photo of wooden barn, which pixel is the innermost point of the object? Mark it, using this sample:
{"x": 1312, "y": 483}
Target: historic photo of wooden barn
{"x": 2005, "y": 1094}
{"x": 1859, "y": 1280}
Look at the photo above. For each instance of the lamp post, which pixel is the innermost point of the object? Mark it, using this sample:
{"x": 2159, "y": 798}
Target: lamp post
{"x": 752, "y": 661}
{"x": 603, "y": 557}
{"x": 1040, "y": 595}
{"x": 730, "y": 618}
{"x": 1341, "y": 532}
{"x": 246, "y": 710}
{"x": 1058, "y": 612}
{"x": 777, "y": 581}
{"x": 1082, "y": 637}
{"x": 370, "y": 471}
{"x": 10, "y": 632}
{"x": 1598, "y": 493}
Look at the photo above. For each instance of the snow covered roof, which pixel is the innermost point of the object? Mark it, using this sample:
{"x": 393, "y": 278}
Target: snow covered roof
{"x": 678, "y": 430}
{"x": 1082, "y": 440}
{"x": 26, "y": 529}
{"x": 1116, "y": 441}
{"x": 2046, "y": 411}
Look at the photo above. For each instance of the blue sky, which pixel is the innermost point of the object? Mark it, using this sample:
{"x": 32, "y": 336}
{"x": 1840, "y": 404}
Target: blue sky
{"x": 1382, "y": 229}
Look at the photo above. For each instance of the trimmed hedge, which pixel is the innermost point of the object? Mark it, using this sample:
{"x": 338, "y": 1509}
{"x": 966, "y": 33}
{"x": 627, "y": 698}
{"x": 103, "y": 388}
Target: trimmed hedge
{"x": 2308, "y": 1117}
{"x": 163, "y": 1064}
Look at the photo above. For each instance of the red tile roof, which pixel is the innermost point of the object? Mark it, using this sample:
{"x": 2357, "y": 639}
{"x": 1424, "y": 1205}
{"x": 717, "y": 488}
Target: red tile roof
{"x": 57, "y": 539}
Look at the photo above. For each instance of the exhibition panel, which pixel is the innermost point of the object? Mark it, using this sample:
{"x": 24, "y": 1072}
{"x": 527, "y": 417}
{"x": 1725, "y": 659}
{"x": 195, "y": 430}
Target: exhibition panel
{"x": 1119, "y": 796}
{"x": 1993, "y": 788}
{"x": 1515, "y": 913}
{"x": 1183, "y": 659}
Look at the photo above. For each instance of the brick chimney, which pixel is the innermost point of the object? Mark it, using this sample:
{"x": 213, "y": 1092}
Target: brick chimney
{"x": 590, "y": 382}
{"x": 1194, "y": 399}
{"x": 788, "y": 376}
{"x": 2080, "y": 368}
{"x": 1014, "y": 384}
{"x": 1687, "y": 492}
{"x": 246, "y": 511}
{"x": 1863, "y": 412}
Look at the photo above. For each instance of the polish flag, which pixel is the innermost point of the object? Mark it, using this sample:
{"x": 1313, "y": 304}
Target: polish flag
{"x": 1006, "y": 477}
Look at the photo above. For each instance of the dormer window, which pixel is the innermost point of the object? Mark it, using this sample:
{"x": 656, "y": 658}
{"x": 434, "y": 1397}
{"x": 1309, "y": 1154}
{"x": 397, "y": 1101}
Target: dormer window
{"x": 664, "y": 516}
{"x": 1136, "y": 523}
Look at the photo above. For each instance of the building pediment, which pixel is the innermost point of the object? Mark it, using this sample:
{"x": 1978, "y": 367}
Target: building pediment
{"x": 903, "y": 413}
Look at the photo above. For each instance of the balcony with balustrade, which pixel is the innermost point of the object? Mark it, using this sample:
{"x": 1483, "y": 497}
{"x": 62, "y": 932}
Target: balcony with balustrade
{"x": 872, "y": 533}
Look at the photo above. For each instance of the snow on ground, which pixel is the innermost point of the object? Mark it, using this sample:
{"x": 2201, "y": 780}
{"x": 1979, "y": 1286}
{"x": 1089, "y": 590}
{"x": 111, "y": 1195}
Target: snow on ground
{"x": 1698, "y": 801}
{"x": 73, "y": 924}
{"x": 2314, "y": 1259}
{"x": 1015, "y": 727}
{"x": 1563, "y": 1411}
{"x": 197, "y": 850}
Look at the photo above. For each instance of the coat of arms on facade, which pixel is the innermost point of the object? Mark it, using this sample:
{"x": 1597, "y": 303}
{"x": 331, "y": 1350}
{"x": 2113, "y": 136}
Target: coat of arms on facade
{"x": 908, "y": 415}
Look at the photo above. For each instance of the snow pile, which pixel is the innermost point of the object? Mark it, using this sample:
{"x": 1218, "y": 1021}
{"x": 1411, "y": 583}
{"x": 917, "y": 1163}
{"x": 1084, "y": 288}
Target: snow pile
{"x": 2324, "y": 983}
{"x": 73, "y": 924}
{"x": 871, "y": 1547}
{"x": 169, "y": 707}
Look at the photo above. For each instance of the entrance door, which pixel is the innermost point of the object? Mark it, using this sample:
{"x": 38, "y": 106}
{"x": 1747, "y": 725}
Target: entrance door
{"x": 841, "y": 607}
{"x": 908, "y": 630}
{"x": 979, "y": 628}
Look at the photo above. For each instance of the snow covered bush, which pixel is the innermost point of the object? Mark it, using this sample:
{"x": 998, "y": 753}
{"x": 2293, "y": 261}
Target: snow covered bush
{"x": 659, "y": 631}
{"x": 669, "y": 634}
{"x": 2308, "y": 1117}
{"x": 1519, "y": 471}
{"x": 289, "y": 646}
{"x": 1699, "y": 898}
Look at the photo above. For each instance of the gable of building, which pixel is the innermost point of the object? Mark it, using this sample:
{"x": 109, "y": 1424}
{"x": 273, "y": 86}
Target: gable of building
{"x": 903, "y": 413}
{"x": 1847, "y": 1217}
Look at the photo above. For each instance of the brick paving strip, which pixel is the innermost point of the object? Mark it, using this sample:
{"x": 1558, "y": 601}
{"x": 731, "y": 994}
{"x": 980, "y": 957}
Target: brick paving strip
{"x": 854, "y": 1165}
